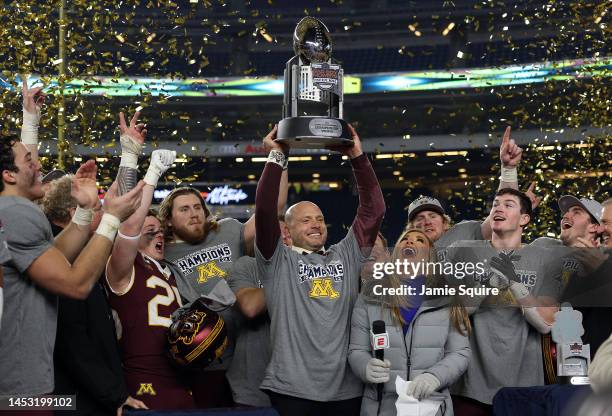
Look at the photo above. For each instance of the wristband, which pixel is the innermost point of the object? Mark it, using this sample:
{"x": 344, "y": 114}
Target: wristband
{"x": 509, "y": 175}
{"x": 129, "y": 152}
{"x": 109, "y": 225}
{"x": 152, "y": 176}
{"x": 128, "y": 237}
{"x": 82, "y": 216}
{"x": 278, "y": 157}
{"x": 518, "y": 290}
{"x": 29, "y": 128}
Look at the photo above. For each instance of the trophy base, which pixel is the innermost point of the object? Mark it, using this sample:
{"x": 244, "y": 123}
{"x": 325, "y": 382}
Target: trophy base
{"x": 573, "y": 380}
{"x": 310, "y": 132}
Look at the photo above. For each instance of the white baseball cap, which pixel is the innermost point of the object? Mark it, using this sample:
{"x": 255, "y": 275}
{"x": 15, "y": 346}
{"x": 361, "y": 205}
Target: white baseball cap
{"x": 591, "y": 206}
{"x": 424, "y": 203}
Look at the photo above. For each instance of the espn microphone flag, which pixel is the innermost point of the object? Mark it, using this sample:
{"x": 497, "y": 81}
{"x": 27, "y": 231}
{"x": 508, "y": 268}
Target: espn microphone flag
{"x": 379, "y": 338}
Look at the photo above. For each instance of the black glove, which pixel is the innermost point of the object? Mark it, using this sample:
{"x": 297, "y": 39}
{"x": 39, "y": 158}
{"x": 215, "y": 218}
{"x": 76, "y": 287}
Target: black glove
{"x": 503, "y": 271}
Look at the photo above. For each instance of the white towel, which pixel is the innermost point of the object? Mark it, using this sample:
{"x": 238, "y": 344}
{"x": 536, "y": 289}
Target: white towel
{"x": 409, "y": 406}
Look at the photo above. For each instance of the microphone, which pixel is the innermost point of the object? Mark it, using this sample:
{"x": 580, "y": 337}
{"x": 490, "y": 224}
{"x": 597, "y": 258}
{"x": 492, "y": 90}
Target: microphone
{"x": 380, "y": 341}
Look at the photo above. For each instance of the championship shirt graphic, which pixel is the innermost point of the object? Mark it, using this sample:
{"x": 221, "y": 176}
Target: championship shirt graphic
{"x": 206, "y": 262}
{"x": 529, "y": 278}
{"x": 321, "y": 278}
{"x": 146, "y": 388}
{"x": 570, "y": 268}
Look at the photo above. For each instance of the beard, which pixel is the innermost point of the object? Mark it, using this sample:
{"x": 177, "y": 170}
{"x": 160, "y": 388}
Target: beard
{"x": 191, "y": 236}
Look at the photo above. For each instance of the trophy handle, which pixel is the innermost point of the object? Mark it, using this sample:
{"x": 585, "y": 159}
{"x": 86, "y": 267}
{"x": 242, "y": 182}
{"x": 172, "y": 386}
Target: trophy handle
{"x": 289, "y": 99}
{"x": 336, "y": 101}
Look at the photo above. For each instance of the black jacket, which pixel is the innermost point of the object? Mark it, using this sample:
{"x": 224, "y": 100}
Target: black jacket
{"x": 87, "y": 360}
{"x": 592, "y": 295}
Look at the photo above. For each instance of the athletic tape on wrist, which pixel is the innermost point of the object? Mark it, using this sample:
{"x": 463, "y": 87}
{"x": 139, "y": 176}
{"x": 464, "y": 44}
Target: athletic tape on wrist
{"x": 129, "y": 151}
{"x": 129, "y": 160}
{"x": 128, "y": 237}
{"x": 278, "y": 157}
{"x": 109, "y": 225}
{"x": 152, "y": 176}
{"x": 518, "y": 290}
{"x": 509, "y": 175}
{"x": 29, "y": 128}
{"x": 82, "y": 216}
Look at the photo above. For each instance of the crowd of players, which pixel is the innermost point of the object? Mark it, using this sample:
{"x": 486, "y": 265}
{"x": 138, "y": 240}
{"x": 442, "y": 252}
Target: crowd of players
{"x": 90, "y": 290}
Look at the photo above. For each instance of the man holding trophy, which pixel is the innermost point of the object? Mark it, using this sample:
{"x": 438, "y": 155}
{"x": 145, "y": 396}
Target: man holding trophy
{"x": 310, "y": 290}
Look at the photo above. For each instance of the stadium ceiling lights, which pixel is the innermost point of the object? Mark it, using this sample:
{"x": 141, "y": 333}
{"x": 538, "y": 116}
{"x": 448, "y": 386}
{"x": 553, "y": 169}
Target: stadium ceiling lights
{"x": 353, "y": 84}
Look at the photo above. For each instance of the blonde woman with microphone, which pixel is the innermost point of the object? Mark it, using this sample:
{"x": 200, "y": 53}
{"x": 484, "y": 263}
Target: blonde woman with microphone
{"x": 427, "y": 335}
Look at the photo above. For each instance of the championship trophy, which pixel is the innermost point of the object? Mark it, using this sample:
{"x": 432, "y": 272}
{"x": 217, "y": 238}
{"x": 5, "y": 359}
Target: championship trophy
{"x": 573, "y": 357}
{"x": 313, "y": 98}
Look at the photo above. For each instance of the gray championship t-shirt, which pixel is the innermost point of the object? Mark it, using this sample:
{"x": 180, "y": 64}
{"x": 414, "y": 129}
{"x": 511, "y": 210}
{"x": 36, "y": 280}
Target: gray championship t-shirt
{"x": 29, "y": 321}
{"x": 546, "y": 242}
{"x": 5, "y": 256}
{"x": 202, "y": 265}
{"x": 506, "y": 349}
{"x": 252, "y": 352}
{"x": 310, "y": 299}
{"x": 465, "y": 230}
{"x": 571, "y": 267}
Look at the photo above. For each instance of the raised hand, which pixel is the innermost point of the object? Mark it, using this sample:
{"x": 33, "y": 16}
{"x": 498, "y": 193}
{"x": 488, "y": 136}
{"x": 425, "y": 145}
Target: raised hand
{"x": 269, "y": 143}
{"x": 33, "y": 98}
{"x": 535, "y": 200}
{"x": 87, "y": 170}
{"x": 122, "y": 206}
{"x": 132, "y": 137}
{"x": 161, "y": 160}
{"x": 83, "y": 185}
{"x": 353, "y": 150}
{"x": 135, "y": 130}
{"x": 509, "y": 152}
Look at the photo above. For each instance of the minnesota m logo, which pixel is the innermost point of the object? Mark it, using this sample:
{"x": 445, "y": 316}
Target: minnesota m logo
{"x": 209, "y": 270}
{"x": 323, "y": 288}
{"x": 146, "y": 388}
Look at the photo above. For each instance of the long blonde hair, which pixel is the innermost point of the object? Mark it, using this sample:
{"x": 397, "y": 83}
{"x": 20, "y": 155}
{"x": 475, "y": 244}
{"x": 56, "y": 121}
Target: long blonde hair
{"x": 458, "y": 314}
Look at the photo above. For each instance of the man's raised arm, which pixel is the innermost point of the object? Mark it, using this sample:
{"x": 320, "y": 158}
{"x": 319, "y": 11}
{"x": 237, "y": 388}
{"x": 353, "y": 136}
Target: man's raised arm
{"x": 371, "y": 209}
{"x": 33, "y": 100}
{"x": 266, "y": 212}
{"x": 510, "y": 155}
{"x": 52, "y": 271}
{"x": 281, "y": 200}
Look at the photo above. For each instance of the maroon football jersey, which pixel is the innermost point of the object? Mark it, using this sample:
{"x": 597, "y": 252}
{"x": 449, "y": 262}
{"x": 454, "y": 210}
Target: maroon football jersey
{"x": 144, "y": 313}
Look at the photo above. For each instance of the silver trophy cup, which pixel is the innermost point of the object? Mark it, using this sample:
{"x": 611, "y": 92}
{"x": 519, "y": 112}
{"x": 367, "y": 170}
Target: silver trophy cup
{"x": 313, "y": 98}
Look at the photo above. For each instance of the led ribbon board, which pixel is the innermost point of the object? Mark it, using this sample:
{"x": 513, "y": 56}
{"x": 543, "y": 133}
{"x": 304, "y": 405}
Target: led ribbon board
{"x": 353, "y": 84}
